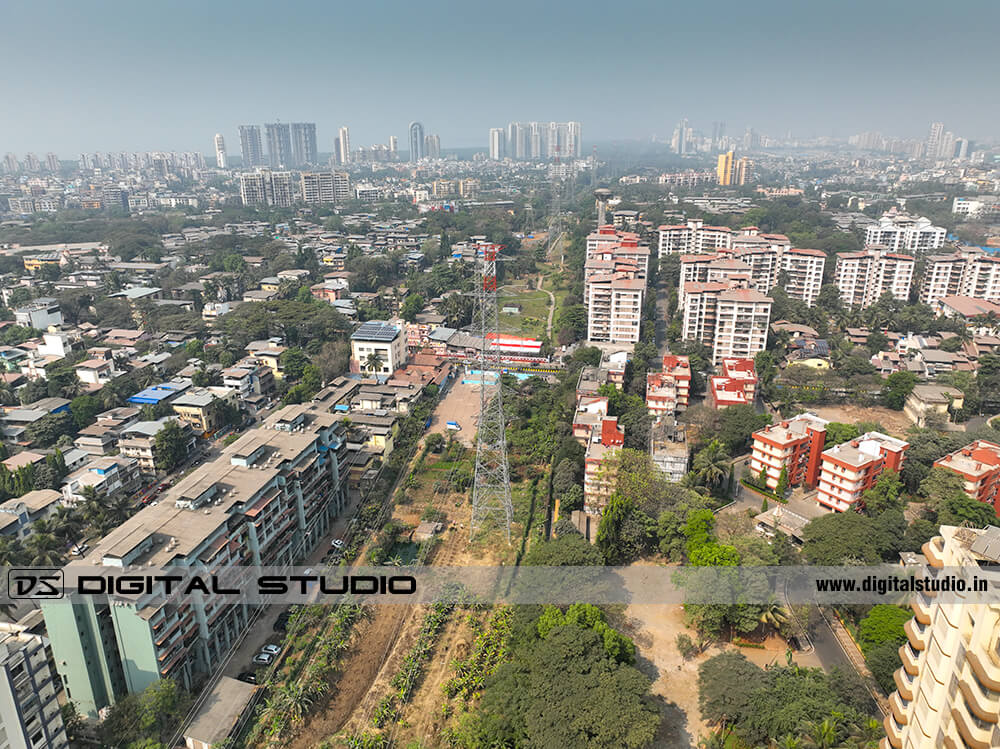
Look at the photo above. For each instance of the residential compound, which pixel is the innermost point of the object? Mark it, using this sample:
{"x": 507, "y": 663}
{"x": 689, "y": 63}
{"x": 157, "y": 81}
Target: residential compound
{"x": 737, "y": 385}
{"x": 969, "y": 272}
{"x": 763, "y": 259}
{"x": 325, "y": 187}
{"x": 726, "y": 316}
{"x": 898, "y": 232}
{"x": 849, "y": 469}
{"x": 614, "y": 285}
{"x": 30, "y": 716}
{"x": 863, "y": 277}
{"x": 266, "y": 500}
{"x": 794, "y": 445}
{"x": 978, "y": 464}
{"x": 693, "y": 237}
{"x": 948, "y": 689}
{"x": 267, "y": 188}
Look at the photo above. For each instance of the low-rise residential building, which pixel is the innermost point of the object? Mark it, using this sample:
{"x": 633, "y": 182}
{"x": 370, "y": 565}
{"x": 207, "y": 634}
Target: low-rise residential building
{"x": 598, "y": 477}
{"x": 378, "y": 347}
{"x": 204, "y": 409}
{"x": 794, "y": 445}
{"x": 736, "y": 385}
{"x": 930, "y": 399}
{"x": 40, "y": 313}
{"x": 106, "y": 476}
{"x": 668, "y": 448}
{"x": 980, "y": 316}
{"x": 30, "y": 713}
{"x": 978, "y": 464}
{"x": 18, "y": 514}
{"x": 138, "y": 441}
{"x": 849, "y": 469}
{"x": 899, "y": 232}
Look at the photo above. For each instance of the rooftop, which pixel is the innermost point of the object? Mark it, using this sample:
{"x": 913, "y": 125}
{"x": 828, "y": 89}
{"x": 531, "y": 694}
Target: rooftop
{"x": 376, "y": 331}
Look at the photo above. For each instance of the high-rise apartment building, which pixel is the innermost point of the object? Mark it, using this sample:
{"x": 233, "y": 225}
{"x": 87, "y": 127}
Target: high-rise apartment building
{"x": 52, "y": 162}
{"x": 498, "y": 144}
{"x": 948, "y": 689}
{"x": 31, "y": 163}
{"x": 863, "y": 277}
{"x": 899, "y": 232}
{"x": 250, "y": 146}
{"x": 614, "y": 285}
{"x": 541, "y": 140}
{"x": 279, "y": 144}
{"x": 934, "y": 137}
{"x": 732, "y": 171}
{"x": 344, "y": 145}
{"x": 220, "y": 151}
{"x": 848, "y": 470}
{"x": 693, "y": 237}
{"x": 267, "y": 500}
{"x": 574, "y": 140}
{"x": 727, "y": 316}
{"x": 325, "y": 187}
{"x": 11, "y": 164}
{"x": 803, "y": 269}
{"x": 432, "y": 146}
{"x": 265, "y": 187}
{"x": 794, "y": 445}
{"x": 30, "y": 716}
{"x": 304, "y": 144}
{"x": 416, "y": 141}
{"x": 970, "y": 272}
{"x": 393, "y": 148}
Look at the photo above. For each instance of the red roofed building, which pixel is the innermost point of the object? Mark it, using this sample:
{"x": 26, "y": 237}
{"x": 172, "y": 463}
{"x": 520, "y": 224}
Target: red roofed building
{"x": 795, "y": 445}
{"x": 850, "y": 469}
{"x": 978, "y": 463}
{"x": 863, "y": 277}
{"x": 668, "y": 391}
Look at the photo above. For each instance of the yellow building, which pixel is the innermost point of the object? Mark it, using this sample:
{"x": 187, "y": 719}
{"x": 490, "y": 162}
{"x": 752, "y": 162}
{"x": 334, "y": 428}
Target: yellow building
{"x": 724, "y": 169}
{"x": 202, "y": 407}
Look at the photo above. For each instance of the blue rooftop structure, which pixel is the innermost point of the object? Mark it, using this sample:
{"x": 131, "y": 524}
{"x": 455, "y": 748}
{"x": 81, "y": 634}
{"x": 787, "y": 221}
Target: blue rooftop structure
{"x": 158, "y": 393}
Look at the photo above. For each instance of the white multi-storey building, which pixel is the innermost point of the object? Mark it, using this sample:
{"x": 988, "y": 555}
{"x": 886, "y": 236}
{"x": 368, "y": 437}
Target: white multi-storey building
{"x": 849, "y": 469}
{"x": 220, "y": 151}
{"x": 498, "y": 144}
{"x": 325, "y": 187}
{"x": 974, "y": 207}
{"x": 30, "y": 716}
{"x": 804, "y": 270}
{"x": 899, "y": 232}
{"x": 693, "y": 237}
{"x": 265, "y": 187}
{"x": 863, "y": 277}
{"x": 970, "y": 272}
{"x": 725, "y": 315}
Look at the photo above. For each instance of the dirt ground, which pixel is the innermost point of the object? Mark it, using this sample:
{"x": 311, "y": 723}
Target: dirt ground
{"x": 461, "y": 404}
{"x": 895, "y": 422}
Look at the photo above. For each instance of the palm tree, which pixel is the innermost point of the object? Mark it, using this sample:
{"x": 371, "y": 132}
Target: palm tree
{"x": 44, "y": 550}
{"x": 373, "y": 362}
{"x": 711, "y": 464}
{"x": 117, "y": 510}
{"x": 67, "y": 524}
{"x": 11, "y": 552}
{"x": 788, "y": 742}
{"x": 821, "y": 735}
{"x": 773, "y": 615}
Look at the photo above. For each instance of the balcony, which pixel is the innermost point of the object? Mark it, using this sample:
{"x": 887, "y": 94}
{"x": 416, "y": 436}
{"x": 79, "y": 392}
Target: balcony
{"x": 905, "y": 683}
{"x": 898, "y": 708}
{"x": 907, "y": 654}
{"x": 893, "y": 732}
{"x": 983, "y": 703}
{"x": 934, "y": 551}
{"x": 916, "y": 633}
{"x": 985, "y": 669}
{"x": 921, "y": 609}
{"x": 976, "y": 733}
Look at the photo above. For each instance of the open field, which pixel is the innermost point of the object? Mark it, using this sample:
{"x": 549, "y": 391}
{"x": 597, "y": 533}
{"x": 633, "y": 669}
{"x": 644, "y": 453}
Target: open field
{"x": 895, "y": 422}
{"x": 534, "y": 312}
{"x": 461, "y": 404}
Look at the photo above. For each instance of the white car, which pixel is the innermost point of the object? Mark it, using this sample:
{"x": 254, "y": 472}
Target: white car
{"x": 337, "y": 543}
{"x": 263, "y": 659}
{"x": 270, "y": 649}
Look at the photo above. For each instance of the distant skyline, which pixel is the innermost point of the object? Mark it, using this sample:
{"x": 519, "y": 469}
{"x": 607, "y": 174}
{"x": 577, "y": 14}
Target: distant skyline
{"x": 109, "y": 76}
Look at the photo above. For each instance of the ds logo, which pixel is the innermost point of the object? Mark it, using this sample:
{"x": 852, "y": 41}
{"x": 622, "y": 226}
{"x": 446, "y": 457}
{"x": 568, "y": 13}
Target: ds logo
{"x": 34, "y": 583}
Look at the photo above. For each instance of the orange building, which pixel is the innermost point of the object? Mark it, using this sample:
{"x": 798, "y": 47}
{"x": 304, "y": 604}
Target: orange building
{"x": 737, "y": 385}
{"x": 849, "y": 469}
{"x": 668, "y": 391}
{"x": 978, "y": 463}
{"x": 795, "y": 445}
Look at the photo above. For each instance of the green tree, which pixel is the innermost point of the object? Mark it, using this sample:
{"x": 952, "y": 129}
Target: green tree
{"x": 782, "y": 488}
{"x": 170, "y": 446}
{"x": 711, "y": 465}
{"x": 883, "y": 624}
{"x": 884, "y": 495}
{"x": 293, "y": 362}
{"x": 839, "y": 537}
{"x": 84, "y": 409}
{"x": 412, "y": 306}
{"x": 898, "y": 386}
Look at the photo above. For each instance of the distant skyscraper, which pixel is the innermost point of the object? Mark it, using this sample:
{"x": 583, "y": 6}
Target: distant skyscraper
{"x": 681, "y": 145}
{"x": 220, "y": 151}
{"x": 279, "y": 143}
{"x": 265, "y": 187}
{"x": 303, "y": 143}
{"x": 31, "y": 163}
{"x": 498, "y": 144}
{"x": 393, "y": 147}
{"x": 250, "y": 146}
{"x": 574, "y": 140}
{"x": 416, "y": 141}
{"x": 52, "y": 162}
{"x": 934, "y": 138}
{"x": 535, "y": 136}
{"x": 432, "y": 146}
{"x": 344, "y": 145}
{"x": 10, "y": 164}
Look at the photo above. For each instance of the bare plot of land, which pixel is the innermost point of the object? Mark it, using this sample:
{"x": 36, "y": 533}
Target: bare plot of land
{"x": 895, "y": 422}
{"x": 460, "y": 404}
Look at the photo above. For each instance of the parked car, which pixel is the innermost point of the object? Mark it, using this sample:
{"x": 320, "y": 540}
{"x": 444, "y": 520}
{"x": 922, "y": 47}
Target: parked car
{"x": 79, "y": 549}
{"x": 263, "y": 659}
{"x": 271, "y": 649}
{"x": 337, "y": 544}
{"x": 248, "y": 676}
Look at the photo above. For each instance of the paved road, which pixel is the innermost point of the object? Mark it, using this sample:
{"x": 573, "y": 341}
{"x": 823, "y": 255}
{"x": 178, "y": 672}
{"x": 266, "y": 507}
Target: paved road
{"x": 552, "y": 306}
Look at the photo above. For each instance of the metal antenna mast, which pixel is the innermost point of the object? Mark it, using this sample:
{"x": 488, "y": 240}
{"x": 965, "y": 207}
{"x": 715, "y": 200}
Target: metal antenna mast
{"x": 491, "y": 505}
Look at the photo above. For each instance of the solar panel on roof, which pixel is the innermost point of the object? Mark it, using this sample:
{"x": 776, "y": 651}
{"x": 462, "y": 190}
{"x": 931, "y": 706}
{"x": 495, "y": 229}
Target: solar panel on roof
{"x": 375, "y": 331}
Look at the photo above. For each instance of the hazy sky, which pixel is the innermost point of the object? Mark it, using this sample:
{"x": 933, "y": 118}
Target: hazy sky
{"x": 114, "y": 75}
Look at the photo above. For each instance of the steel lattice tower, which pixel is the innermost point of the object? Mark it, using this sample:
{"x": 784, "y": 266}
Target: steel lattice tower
{"x": 491, "y": 505}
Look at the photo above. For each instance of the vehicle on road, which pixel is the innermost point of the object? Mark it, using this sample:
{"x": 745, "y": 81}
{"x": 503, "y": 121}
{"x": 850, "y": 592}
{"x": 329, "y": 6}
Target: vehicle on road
{"x": 263, "y": 659}
{"x": 454, "y": 426}
{"x": 248, "y": 676}
{"x": 79, "y": 550}
{"x": 337, "y": 544}
{"x": 271, "y": 649}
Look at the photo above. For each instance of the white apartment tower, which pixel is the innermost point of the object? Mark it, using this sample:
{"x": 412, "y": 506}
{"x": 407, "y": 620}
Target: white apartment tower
{"x": 498, "y": 144}
{"x": 265, "y": 187}
{"x": 970, "y": 272}
{"x": 30, "y": 716}
{"x": 727, "y": 316}
{"x": 220, "y": 151}
{"x": 693, "y": 237}
{"x": 899, "y": 232}
{"x": 325, "y": 187}
{"x": 804, "y": 271}
{"x": 948, "y": 689}
{"x": 344, "y": 145}
{"x": 863, "y": 277}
